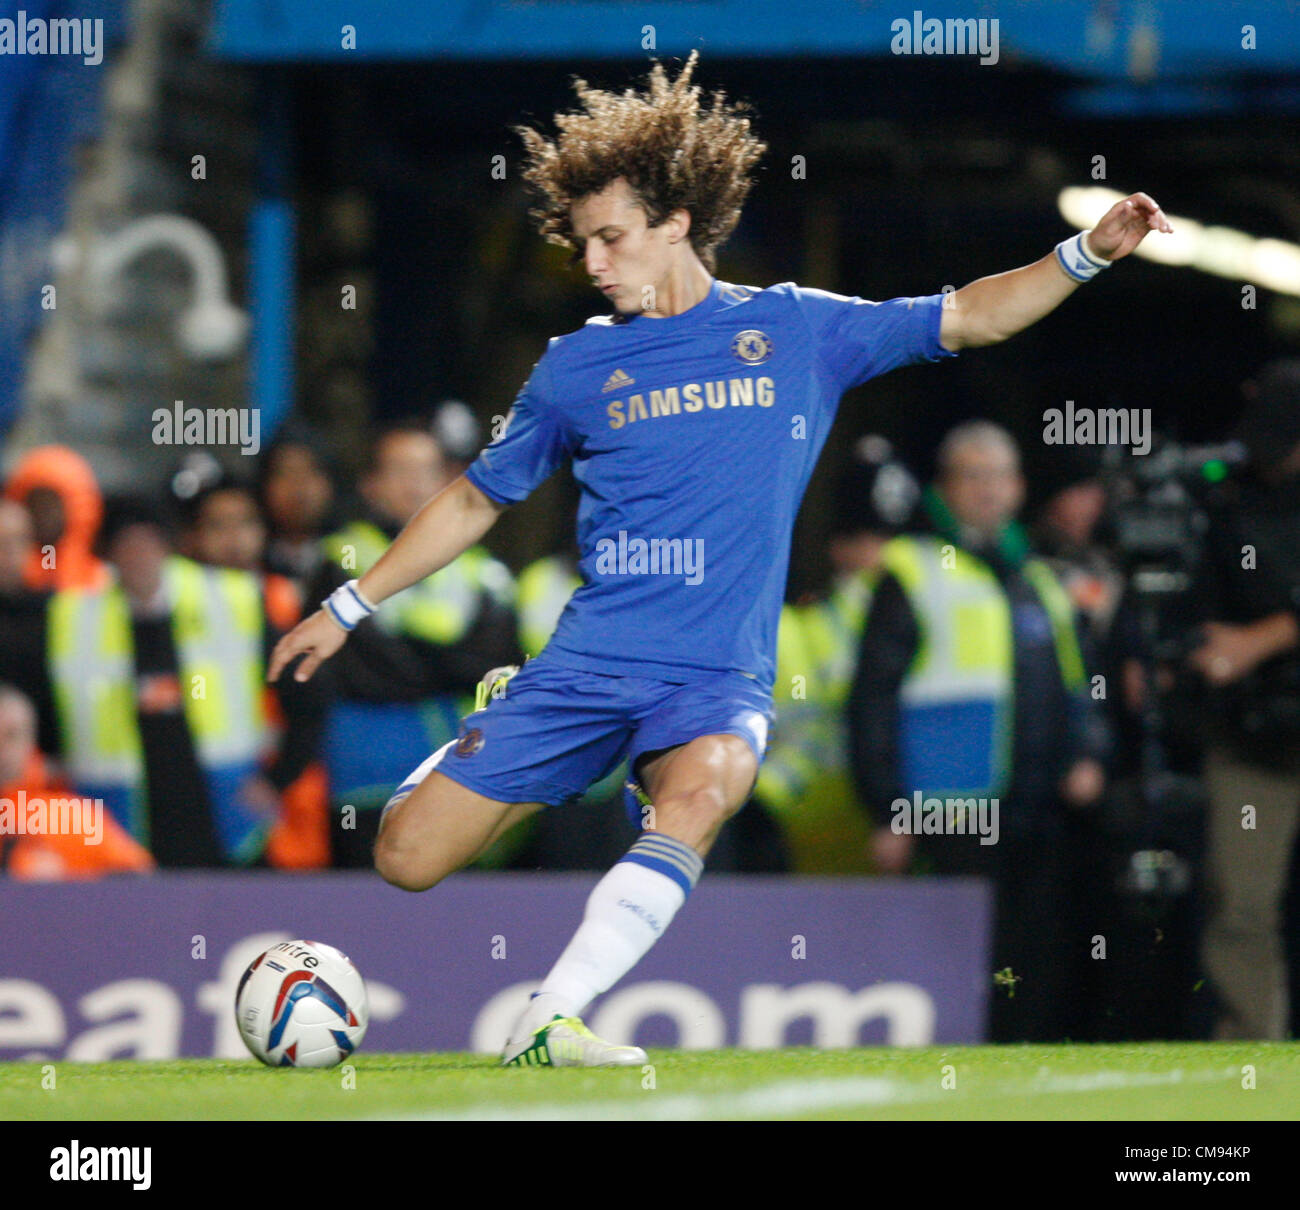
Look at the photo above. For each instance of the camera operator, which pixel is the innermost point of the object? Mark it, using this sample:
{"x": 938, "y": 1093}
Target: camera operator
{"x": 1249, "y": 657}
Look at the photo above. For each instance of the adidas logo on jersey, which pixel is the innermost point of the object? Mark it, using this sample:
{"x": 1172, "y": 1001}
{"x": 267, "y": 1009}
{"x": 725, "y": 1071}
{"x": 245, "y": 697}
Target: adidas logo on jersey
{"x": 617, "y": 379}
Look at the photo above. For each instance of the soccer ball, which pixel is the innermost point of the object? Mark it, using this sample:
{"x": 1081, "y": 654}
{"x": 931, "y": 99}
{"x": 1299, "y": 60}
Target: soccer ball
{"x": 302, "y": 1004}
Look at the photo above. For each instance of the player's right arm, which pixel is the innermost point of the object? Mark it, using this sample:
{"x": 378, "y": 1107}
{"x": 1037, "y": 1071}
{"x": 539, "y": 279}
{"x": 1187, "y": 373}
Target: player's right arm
{"x": 450, "y": 523}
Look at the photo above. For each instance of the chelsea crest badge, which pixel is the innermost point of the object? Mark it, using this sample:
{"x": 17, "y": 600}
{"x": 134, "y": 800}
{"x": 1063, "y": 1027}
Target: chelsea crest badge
{"x": 752, "y": 346}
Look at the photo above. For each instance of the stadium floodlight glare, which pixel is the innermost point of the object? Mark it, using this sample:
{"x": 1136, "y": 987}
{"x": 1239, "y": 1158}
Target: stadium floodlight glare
{"x": 1223, "y": 251}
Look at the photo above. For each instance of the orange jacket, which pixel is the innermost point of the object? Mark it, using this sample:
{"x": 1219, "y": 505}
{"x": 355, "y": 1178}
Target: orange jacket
{"x": 69, "y": 474}
{"x": 48, "y": 858}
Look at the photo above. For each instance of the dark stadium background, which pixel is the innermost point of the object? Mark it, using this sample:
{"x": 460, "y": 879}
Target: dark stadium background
{"x": 374, "y": 167}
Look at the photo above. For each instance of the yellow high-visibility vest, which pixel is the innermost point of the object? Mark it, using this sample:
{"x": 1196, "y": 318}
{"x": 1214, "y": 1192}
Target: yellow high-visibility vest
{"x": 957, "y": 698}
{"x": 804, "y": 779}
{"x": 218, "y": 629}
{"x": 441, "y": 607}
{"x": 545, "y": 587}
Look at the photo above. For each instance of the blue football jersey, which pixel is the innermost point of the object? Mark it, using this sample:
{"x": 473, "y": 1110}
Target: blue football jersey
{"x": 692, "y": 438}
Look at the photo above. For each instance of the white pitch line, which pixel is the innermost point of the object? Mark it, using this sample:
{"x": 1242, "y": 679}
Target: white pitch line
{"x": 788, "y": 1097}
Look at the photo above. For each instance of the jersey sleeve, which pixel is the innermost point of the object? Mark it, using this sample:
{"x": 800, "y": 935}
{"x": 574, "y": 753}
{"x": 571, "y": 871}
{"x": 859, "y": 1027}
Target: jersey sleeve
{"x": 857, "y": 339}
{"x": 532, "y": 446}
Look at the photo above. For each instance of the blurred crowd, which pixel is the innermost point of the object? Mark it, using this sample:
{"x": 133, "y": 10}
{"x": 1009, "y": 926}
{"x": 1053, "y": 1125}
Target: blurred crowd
{"x": 1117, "y": 753}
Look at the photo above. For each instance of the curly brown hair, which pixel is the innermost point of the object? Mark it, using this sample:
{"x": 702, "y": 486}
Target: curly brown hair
{"x": 673, "y": 153}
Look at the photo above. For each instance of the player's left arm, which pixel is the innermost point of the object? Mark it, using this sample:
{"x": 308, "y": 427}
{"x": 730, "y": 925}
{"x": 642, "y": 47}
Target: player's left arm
{"x": 992, "y": 309}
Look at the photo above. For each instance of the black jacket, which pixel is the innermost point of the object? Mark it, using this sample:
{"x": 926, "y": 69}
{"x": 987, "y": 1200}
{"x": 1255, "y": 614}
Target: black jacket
{"x": 1251, "y": 571}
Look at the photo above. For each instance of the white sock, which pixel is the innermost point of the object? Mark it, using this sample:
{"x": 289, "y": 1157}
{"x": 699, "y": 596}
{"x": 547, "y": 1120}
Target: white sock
{"x": 627, "y": 912}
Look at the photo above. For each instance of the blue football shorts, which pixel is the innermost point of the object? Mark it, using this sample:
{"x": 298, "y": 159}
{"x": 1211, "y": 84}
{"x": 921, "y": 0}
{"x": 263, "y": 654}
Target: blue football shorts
{"x": 557, "y": 730}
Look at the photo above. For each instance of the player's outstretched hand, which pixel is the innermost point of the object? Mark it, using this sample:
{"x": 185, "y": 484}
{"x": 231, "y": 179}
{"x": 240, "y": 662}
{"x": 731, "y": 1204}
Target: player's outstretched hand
{"x": 1125, "y": 225}
{"x": 319, "y": 636}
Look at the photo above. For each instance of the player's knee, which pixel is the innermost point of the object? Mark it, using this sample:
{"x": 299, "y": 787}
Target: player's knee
{"x": 405, "y": 867}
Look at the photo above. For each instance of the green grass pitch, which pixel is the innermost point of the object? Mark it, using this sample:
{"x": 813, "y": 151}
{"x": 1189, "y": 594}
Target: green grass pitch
{"x": 1145, "y": 1081}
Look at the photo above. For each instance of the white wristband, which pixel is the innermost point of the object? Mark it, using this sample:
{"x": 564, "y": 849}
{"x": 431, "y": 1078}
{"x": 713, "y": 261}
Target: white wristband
{"x": 347, "y": 606}
{"x": 1078, "y": 263}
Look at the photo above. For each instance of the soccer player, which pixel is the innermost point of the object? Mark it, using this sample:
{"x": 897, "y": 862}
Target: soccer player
{"x": 693, "y": 417}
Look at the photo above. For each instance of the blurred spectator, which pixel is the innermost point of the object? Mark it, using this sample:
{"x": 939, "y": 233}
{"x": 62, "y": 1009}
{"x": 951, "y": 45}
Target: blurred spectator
{"x": 545, "y": 587}
{"x": 1250, "y": 594}
{"x": 224, "y": 528}
{"x": 22, "y": 621}
{"x": 970, "y": 690}
{"x": 298, "y": 493}
{"x": 547, "y": 583}
{"x": 1067, "y": 537}
{"x": 407, "y": 675}
{"x": 53, "y": 853}
{"x": 158, "y": 682}
{"x": 60, "y": 492}
{"x": 804, "y": 781}
{"x": 17, "y": 536}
